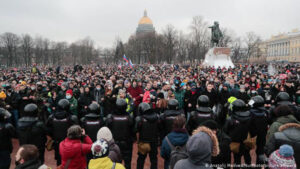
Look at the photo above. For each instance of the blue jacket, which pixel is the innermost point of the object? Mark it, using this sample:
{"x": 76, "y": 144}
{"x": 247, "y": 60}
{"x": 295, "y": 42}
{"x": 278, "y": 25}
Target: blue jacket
{"x": 177, "y": 138}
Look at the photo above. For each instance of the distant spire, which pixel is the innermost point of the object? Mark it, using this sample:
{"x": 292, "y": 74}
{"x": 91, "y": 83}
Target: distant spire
{"x": 145, "y": 13}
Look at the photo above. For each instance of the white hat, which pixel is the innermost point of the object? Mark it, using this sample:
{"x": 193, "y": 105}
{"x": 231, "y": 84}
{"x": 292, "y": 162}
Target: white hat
{"x": 104, "y": 133}
{"x": 100, "y": 148}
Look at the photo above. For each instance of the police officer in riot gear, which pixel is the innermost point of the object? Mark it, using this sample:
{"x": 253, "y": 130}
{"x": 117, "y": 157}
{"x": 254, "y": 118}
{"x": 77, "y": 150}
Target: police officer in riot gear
{"x": 121, "y": 125}
{"x": 169, "y": 115}
{"x": 31, "y": 130}
{"x": 283, "y": 98}
{"x": 237, "y": 127}
{"x": 58, "y": 124}
{"x": 7, "y": 131}
{"x": 92, "y": 121}
{"x": 259, "y": 125}
{"x": 147, "y": 125}
{"x": 202, "y": 113}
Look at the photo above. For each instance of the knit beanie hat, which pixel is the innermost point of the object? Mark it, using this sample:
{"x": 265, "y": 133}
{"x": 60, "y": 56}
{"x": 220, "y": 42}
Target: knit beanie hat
{"x": 104, "y": 133}
{"x": 282, "y": 158}
{"x": 2, "y": 95}
{"x": 100, "y": 148}
{"x": 69, "y": 92}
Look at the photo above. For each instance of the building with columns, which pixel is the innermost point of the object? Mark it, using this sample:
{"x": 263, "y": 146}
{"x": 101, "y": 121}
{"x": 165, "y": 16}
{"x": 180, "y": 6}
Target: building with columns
{"x": 284, "y": 47}
{"x": 145, "y": 26}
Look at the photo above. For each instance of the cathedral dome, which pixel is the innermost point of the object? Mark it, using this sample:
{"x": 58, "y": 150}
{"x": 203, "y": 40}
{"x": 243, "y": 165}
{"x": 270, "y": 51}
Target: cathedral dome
{"x": 145, "y": 25}
{"x": 145, "y": 19}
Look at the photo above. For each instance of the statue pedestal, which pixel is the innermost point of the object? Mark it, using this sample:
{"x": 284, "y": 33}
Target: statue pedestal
{"x": 218, "y": 57}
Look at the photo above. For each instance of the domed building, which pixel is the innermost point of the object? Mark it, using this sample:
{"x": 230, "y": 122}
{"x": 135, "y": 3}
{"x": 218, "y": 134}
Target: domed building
{"x": 145, "y": 25}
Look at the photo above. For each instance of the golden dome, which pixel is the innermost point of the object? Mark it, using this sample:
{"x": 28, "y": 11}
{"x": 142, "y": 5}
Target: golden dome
{"x": 145, "y": 19}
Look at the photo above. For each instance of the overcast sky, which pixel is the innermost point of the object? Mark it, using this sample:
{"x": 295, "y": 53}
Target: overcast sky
{"x": 104, "y": 20}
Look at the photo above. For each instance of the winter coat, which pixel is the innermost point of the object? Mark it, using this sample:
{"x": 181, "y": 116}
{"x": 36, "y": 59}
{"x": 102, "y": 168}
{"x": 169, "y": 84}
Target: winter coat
{"x": 213, "y": 97}
{"x": 146, "y": 98}
{"x": 190, "y": 97}
{"x": 278, "y": 122}
{"x": 237, "y": 126}
{"x": 177, "y": 138}
{"x": 179, "y": 96}
{"x": 31, "y": 164}
{"x": 98, "y": 95}
{"x": 7, "y": 131}
{"x": 75, "y": 150}
{"x": 73, "y": 106}
{"x": 109, "y": 105}
{"x": 244, "y": 96}
{"x": 103, "y": 163}
{"x": 129, "y": 102}
{"x": 29, "y": 128}
{"x": 224, "y": 95}
{"x": 84, "y": 100}
{"x": 200, "y": 147}
{"x": 225, "y": 154}
{"x": 114, "y": 152}
{"x": 135, "y": 93}
{"x": 259, "y": 127}
{"x": 288, "y": 133}
{"x": 13, "y": 100}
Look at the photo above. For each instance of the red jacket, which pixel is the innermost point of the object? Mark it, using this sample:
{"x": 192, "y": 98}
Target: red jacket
{"x": 135, "y": 93}
{"x": 76, "y": 151}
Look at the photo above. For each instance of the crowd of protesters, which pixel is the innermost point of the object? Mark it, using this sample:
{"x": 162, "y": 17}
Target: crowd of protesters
{"x": 91, "y": 116}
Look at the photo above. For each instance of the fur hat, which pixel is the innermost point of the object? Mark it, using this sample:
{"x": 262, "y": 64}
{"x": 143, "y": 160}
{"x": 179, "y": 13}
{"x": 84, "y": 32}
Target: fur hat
{"x": 289, "y": 125}
{"x": 213, "y": 137}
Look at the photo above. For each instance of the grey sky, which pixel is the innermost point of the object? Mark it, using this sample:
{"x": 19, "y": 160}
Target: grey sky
{"x": 104, "y": 20}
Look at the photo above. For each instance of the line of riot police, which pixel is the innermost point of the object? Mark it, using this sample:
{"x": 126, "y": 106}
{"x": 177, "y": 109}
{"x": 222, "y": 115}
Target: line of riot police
{"x": 236, "y": 122}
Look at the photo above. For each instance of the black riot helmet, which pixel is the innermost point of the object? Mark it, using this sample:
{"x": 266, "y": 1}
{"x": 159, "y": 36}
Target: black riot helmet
{"x": 121, "y": 105}
{"x": 282, "y": 96}
{"x": 173, "y": 104}
{"x": 238, "y": 105}
{"x": 64, "y": 104}
{"x": 31, "y": 110}
{"x": 4, "y": 114}
{"x": 203, "y": 101}
{"x": 94, "y": 108}
{"x": 257, "y": 101}
{"x": 143, "y": 108}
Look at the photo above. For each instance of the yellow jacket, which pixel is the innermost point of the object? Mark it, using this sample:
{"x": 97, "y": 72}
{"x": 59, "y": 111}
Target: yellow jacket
{"x": 103, "y": 163}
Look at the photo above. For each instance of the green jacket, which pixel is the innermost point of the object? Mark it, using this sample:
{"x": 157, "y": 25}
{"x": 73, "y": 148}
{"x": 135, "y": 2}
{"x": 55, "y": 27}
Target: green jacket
{"x": 278, "y": 122}
{"x": 73, "y": 106}
{"x": 179, "y": 96}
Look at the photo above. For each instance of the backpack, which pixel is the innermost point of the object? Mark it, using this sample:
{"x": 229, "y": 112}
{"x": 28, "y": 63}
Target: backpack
{"x": 177, "y": 153}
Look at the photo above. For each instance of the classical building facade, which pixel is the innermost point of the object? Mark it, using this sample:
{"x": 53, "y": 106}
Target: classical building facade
{"x": 284, "y": 47}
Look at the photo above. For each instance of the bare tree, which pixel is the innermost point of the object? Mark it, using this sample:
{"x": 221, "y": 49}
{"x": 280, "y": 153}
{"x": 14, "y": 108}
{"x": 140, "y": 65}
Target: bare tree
{"x": 227, "y": 37}
{"x": 119, "y": 52}
{"x": 27, "y": 45}
{"x": 237, "y": 49}
{"x": 58, "y": 52}
{"x": 170, "y": 41}
{"x": 252, "y": 41}
{"x": 182, "y": 48}
{"x": 199, "y": 38}
{"x": 11, "y": 43}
